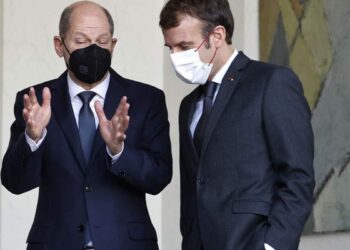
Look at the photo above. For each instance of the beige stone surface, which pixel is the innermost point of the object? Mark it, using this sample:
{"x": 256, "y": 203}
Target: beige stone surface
{"x": 332, "y": 209}
{"x": 302, "y": 62}
{"x": 269, "y": 13}
{"x": 290, "y": 20}
{"x": 297, "y": 7}
{"x": 315, "y": 33}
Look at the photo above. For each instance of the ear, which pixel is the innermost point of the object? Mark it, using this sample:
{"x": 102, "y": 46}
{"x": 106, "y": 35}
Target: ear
{"x": 114, "y": 42}
{"x": 57, "y": 41}
{"x": 219, "y": 36}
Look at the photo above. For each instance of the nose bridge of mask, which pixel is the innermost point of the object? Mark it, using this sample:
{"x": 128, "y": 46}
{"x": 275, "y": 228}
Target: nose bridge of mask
{"x": 185, "y": 57}
{"x": 189, "y": 67}
{"x": 92, "y": 46}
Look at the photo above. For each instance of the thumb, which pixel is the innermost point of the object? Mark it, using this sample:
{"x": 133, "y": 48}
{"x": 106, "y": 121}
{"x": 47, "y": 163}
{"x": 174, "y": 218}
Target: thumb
{"x": 100, "y": 113}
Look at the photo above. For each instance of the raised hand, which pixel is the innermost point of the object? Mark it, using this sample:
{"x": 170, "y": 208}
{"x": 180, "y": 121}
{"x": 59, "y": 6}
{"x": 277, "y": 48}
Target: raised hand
{"x": 35, "y": 116}
{"x": 113, "y": 131}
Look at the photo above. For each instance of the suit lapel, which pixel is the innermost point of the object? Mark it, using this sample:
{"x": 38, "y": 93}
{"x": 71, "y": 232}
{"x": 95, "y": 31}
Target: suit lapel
{"x": 63, "y": 112}
{"x": 114, "y": 93}
{"x": 189, "y": 109}
{"x": 226, "y": 90}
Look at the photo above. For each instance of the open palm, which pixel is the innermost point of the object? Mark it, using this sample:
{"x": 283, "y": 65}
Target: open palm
{"x": 36, "y": 116}
{"x": 113, "y": 131}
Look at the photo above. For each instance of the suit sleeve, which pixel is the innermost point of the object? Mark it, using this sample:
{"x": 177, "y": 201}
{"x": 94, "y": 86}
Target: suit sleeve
{"x": 290, "y": 140}
{"x": 21, "y": 168}
{"x": 149, "y": 167}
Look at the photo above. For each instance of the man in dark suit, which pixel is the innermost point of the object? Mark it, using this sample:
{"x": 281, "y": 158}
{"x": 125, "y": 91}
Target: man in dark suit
{"x": 246, "y": 143}
{"x": 72, "y": 138}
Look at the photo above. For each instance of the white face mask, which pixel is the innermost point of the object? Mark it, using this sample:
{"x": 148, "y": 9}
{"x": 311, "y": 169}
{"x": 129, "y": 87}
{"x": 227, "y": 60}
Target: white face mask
{"x": 190, "y": 68}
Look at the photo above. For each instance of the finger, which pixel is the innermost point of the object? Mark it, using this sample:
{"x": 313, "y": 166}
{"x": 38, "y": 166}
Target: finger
{"x": 121, "y": 105}
{"x": 121, "y": 128}
{"x": 125, "y": 123}
{"x": 32, "y": 96}
{"x": 121, "y": 137}
{"x": 46, "y": 97}
{"x": 25, "y": 114}
{"x": 100, "y": 113}
{"x": 125, "y": 109}
{"x": 118, "y": 127}
{"x": 27, "y": 118}
{"x": 115, "y": 122}
{"x": 119, "y": 120}
{"x": 123, "y": 112}
{"x": 26, "y": 101}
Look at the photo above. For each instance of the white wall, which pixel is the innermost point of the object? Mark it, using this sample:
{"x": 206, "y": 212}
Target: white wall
{"x": 246, "y": 34}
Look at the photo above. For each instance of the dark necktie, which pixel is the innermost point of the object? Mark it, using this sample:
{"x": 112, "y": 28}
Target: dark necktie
{"x": 209, "y": 91}
{"x": 87, "y": 127}
{"x": 87, "y": 130}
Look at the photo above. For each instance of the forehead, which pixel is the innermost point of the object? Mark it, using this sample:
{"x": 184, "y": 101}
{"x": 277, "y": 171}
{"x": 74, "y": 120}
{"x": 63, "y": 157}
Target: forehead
{"x": 89, "y": 20}
{"x": 189, "y": 30}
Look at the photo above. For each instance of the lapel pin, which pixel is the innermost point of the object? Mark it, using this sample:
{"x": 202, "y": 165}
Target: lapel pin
{"x": 231, "y": 78}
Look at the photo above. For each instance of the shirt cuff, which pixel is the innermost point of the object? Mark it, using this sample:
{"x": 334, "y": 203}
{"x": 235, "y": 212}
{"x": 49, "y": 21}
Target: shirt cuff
{"x": 117, "y": 156}
{"x": 268, "y": 247}
{"x": 32, "y": 144}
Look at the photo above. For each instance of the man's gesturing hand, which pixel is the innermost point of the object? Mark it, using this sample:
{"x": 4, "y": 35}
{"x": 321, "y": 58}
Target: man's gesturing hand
{"x": 113, "y": 131}
{"x": 35, "y": 116}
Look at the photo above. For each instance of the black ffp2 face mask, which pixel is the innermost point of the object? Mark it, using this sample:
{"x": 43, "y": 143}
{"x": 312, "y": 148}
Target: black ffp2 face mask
{"x": 89, "y": 64}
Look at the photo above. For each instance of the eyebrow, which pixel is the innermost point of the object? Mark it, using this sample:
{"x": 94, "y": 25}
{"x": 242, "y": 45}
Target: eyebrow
{"x": 181, "y": 44}
{"x": 86, "y": 36}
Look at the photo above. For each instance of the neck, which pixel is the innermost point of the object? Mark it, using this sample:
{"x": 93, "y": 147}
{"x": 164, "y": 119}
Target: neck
{"x": 222, "y": 55}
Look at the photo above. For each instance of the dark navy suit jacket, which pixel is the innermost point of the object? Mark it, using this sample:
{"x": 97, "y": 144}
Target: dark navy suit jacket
{"x": 254, "y": 181}
{"x": 112, "y": 197}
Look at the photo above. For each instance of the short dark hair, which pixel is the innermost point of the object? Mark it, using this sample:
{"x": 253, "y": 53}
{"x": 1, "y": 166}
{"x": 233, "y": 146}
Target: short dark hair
{"x": 211, "y": 12}
{"x": 66, "y": 15}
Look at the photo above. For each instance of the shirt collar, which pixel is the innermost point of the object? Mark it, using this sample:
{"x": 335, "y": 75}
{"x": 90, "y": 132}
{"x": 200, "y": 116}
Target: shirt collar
{"x": 220, "y": 75}
{"x": 101, "y": 89}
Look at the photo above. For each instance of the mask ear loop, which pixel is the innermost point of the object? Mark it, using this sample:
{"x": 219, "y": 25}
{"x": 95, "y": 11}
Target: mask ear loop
{"x": 213, "y": 56}
{"x": 205, "y": 40}
{"x": 64, "y": 45}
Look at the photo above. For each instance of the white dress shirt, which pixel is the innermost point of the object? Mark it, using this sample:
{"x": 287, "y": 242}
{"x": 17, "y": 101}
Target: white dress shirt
{"x": 74, "y": 89}
{"x": 217, "y": 79}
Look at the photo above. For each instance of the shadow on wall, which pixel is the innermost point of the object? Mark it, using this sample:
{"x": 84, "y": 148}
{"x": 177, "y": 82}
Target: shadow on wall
{"x": 312, "y": 37}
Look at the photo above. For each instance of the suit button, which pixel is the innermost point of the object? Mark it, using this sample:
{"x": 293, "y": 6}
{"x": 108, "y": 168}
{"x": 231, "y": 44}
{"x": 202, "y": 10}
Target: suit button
{"x": 88, "y": 188}
{"x": 81, "y": 228}
{"x": 200, "y": 180}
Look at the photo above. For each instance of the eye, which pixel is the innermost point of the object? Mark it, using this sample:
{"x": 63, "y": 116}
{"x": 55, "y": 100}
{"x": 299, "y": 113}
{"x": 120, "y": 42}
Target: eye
{"x": 102, "y": 42}
{"x": 185, "y": 46}
{"x": 80, "y": 41}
